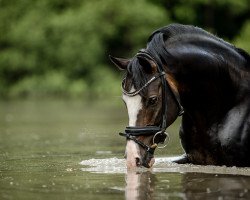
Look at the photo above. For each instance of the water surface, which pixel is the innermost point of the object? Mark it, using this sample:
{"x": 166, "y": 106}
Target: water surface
{"x": 59, "y": 149}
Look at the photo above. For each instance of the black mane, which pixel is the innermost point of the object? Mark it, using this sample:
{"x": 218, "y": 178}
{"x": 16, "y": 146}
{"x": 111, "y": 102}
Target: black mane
{"x": 179, "y": 42}
{"x": 186, "y": 45}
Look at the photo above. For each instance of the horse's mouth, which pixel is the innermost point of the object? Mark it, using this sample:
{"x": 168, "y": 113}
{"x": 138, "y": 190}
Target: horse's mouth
{"x": 149, "y": 164}
{"x": 148, "y": 160}
{"x": 136, "y": 157}
{"x": 140, "y": 163}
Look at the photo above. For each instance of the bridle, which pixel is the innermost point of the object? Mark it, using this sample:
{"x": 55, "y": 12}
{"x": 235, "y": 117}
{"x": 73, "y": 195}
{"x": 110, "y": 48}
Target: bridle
{"x": 158, "y": 132}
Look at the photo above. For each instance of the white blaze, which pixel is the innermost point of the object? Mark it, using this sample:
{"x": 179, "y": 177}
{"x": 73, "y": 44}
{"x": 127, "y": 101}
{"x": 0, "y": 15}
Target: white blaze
{"x": 134, "y": 105}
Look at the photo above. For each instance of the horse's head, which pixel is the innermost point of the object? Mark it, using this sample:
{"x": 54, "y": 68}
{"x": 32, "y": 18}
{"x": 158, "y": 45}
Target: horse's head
{"x": 150, "y": 97}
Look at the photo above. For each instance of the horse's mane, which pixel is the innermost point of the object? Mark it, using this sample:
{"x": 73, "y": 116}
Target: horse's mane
{"x": 192, "y": 45}
{"x": 186, "y": 45}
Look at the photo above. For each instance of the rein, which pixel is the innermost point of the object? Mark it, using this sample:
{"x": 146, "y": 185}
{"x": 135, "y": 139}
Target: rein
{"x": 158, "y": 132}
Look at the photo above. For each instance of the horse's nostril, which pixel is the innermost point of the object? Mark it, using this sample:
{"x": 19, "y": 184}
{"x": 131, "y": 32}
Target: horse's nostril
{"x": 138, "y": 161}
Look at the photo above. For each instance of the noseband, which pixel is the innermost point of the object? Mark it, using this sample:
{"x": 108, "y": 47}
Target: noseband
{"x": 158, "y": 132}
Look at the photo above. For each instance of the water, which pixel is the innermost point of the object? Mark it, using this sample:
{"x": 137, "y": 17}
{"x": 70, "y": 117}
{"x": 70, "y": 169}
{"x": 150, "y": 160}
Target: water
{"x": 55, "y": 149}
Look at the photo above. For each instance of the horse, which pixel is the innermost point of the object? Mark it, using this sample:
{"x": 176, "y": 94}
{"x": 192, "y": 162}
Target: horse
{"x": 185, "y": 70}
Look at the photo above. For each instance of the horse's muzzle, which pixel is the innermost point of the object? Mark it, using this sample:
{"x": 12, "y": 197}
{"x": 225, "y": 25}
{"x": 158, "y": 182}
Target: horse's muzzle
{"x": 159, "y": 136}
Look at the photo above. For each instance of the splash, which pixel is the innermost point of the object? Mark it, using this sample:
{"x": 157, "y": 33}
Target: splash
{"x": 109, "y": 165}
{"x": 164, "y": 164}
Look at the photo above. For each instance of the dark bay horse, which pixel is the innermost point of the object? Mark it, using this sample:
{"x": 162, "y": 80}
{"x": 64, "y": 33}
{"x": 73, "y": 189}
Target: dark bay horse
{"x": 184, "y": 68}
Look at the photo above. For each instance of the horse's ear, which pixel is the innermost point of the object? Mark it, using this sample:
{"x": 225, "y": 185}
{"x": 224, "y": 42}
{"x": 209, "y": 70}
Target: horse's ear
{"x": 121, "y": 63}
{"x": 148, "y": 65}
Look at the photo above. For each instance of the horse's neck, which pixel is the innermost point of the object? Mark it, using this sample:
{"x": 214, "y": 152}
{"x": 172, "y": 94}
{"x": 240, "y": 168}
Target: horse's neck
{"x": 209, "y": 102}
{"x": 210, "y": 99}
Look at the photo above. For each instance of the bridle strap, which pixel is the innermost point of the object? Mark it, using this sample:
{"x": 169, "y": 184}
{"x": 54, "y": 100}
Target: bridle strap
{"x": 130, "y": 137}
{"x": 131, "y": 94}
{"x": 145, "y": 131}
{"x": 149, "y": 150}
{"x": 132, "y": 133}
{"x": 143, "y": 53}
{"x": 164, "y": 104}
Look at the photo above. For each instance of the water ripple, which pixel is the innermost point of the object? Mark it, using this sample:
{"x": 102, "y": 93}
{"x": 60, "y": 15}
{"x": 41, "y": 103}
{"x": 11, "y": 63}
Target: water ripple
{"x": 164, "y": 164}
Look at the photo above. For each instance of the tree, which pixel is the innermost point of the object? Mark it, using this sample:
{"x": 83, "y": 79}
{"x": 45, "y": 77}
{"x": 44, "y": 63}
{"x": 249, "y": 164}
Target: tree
{"x": 61, "y": 47}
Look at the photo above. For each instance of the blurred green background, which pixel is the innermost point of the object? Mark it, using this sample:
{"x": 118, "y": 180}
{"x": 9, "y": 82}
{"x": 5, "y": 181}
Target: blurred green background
{"x": 61, "y": 47}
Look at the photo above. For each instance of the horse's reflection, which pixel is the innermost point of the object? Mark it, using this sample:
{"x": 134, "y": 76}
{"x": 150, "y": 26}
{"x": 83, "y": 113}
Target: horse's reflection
{"x": 206, "y": 186}
{"x": 142, "y": 186}
{"x": 139, "y": 185}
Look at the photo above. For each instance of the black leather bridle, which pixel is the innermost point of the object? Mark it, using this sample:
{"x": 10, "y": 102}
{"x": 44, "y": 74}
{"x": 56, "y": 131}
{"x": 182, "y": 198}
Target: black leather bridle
{"x": 158, "y": 132}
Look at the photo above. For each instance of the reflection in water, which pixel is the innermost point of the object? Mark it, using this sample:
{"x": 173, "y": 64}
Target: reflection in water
{"x": 192, "y": 186}
{"x": 41, "y": 144}
{"x": 139, "y": 185}
{"x": 212, "y": 186}
{"x": 172, "y": 181}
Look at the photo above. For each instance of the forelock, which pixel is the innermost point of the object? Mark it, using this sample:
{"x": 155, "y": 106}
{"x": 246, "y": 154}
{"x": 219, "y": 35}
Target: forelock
{"x": 137, "y": 74}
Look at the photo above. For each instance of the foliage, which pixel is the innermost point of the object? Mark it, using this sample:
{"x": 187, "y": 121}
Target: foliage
{"x": 61, "y": 47}
{"x": 223, "y": 17}
{"x": 242, "y": 40}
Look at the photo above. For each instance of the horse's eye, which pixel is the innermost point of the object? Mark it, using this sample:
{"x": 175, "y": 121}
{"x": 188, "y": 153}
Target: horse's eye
{"x": 152, "y": 100}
